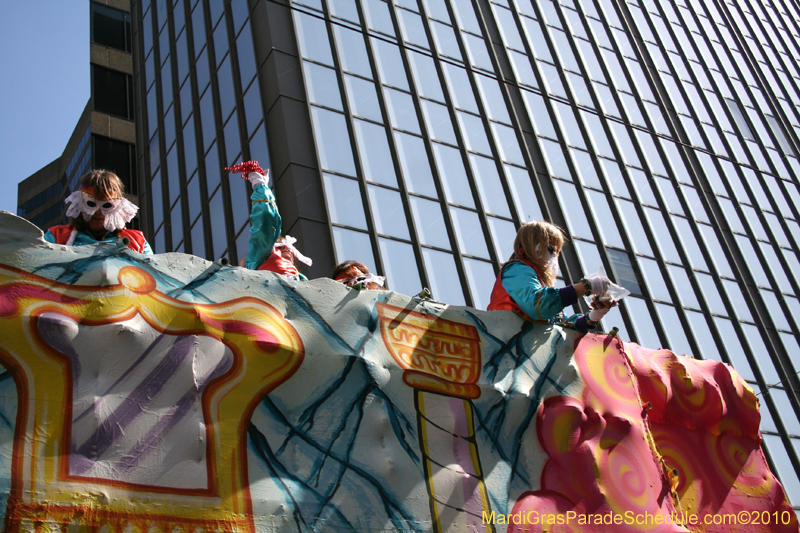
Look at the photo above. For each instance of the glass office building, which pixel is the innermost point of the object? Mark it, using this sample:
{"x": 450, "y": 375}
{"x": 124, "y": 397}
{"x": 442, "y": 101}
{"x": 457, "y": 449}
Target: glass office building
{"x": 417, "y": 135}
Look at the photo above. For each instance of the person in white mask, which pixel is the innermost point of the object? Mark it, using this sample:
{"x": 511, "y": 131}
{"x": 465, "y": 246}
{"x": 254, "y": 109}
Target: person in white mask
{"x": 98, "y": 212}
{"x": 525, "y": 283}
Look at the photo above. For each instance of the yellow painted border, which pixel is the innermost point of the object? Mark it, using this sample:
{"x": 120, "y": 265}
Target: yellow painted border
{"x": 42, "y": 491}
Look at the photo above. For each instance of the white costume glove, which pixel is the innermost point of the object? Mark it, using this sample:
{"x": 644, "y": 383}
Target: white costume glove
{"x": 599, "y": 286}
{"x": 252, "y": 171}
{"x": 595, "y": 315}
{"x": 256, "y": 178}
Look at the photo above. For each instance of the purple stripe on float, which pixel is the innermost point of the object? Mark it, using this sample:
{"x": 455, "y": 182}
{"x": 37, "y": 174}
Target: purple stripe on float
{"x": 101, "y": 396}
{"x": 152, "y": 441}
{"x": 114, "y": 426}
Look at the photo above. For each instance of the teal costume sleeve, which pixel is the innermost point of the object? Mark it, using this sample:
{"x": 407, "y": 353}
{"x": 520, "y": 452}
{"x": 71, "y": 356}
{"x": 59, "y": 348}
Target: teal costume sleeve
{"x": 49, "y": 237}
{"x": 265, "y": 226}
{"x": 537, "y": 301}
{"x": 147, "y": 249}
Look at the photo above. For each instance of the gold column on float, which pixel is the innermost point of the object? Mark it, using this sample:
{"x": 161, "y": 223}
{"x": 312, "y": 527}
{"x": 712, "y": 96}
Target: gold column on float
{"x": 441, "y": 360}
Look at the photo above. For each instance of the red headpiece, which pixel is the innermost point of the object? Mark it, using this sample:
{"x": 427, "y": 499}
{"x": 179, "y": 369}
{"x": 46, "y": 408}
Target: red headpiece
{"x": 350, "y": 273}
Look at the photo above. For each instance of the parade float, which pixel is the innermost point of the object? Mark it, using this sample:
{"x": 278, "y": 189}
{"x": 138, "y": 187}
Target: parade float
{"x": 167, "y": 393}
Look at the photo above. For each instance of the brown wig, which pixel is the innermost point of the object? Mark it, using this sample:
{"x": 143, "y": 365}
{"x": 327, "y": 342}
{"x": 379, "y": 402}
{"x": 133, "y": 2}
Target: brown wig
{"x": 106, "y": 185}
{"x": 342, "y": 268}
{"x": 531, "y": 244}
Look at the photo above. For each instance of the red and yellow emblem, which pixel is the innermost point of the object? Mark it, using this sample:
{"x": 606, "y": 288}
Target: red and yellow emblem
{"x": 438, "y": 355}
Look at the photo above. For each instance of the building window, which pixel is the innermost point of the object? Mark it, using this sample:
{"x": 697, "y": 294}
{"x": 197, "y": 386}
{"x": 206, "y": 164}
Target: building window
{"x": 112, "y": 92}
{"x": 118, "y": 157}
{"x": 45, "y": 219}
{"x": 624, "y": 271}
{"x": 42, "y": 198}
{"x": 111, "y": 27}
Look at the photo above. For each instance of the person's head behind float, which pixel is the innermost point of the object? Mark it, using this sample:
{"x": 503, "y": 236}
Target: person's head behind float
{"x": 351, "y": 273}
{"x": 280, "y": 248}
{"x": 284, "y": 247}
{"x": 101, "y": 190}
{"x": 539, "y": 243}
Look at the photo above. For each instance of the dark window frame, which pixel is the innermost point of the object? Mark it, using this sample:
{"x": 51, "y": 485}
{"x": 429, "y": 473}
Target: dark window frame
{"x": 96, "y": 27}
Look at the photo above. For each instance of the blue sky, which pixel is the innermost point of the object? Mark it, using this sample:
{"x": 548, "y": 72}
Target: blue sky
{"x": 44, "y": 84}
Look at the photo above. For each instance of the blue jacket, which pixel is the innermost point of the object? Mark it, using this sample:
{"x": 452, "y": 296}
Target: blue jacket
{"x": 521, "y": 284}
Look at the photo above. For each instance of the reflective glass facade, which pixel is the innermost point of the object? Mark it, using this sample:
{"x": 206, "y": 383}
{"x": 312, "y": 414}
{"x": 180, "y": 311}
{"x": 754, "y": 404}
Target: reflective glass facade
{"x": 663, "y": 136}
{"x": 201, "y": 112}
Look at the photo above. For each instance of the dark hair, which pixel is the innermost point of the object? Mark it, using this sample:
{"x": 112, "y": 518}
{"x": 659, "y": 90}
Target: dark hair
{"x": 106, "y": 185}
{"x": 343, "y": 267}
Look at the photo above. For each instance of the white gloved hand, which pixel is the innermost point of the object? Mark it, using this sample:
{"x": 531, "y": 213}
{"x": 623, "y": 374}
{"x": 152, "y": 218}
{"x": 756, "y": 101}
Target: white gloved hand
{"x": 599, "y": 286}
{"x": 595, "y": 315}
{"x": 256, "y": 178}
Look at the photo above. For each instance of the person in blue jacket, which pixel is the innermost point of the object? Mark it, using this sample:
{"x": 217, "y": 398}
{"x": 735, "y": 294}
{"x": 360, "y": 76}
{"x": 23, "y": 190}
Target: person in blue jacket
{"x": 268, "y": 249}
{"x": 525, "y": 283}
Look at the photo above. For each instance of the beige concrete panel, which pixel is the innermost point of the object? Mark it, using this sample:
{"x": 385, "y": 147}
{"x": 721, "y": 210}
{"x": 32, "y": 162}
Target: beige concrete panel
{"x": 111, "y": 58}
{"x": 122, "y": 5}
{"x": 113, "y": 127}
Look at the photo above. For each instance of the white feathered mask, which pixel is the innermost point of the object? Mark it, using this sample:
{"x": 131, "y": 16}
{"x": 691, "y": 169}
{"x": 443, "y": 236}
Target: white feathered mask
{"x": 118, "y": 211}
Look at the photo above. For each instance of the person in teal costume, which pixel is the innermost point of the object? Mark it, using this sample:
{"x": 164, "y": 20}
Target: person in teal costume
{"x": 525, "y": 283}
{"x": 268, "y": 250}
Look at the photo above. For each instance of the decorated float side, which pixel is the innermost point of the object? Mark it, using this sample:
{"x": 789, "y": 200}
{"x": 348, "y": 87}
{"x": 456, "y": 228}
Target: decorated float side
{"x": 166, "y": 393}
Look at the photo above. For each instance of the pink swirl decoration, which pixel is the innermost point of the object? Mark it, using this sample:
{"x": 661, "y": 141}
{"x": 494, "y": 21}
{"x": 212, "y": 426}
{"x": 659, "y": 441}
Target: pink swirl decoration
{"x": 732, "y": 455}
{"x": 672, "y": 445}
{"x": 689, "y": 393}
{"x": 704, "y": 420}
{"x": 607, "y": 381}
{"x": 629, "y": 473}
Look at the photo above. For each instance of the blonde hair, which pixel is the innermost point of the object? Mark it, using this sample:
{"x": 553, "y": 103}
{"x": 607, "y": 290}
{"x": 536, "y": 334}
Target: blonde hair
{"x": 106, "y": 184}
{"x": 532, "y": 241}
